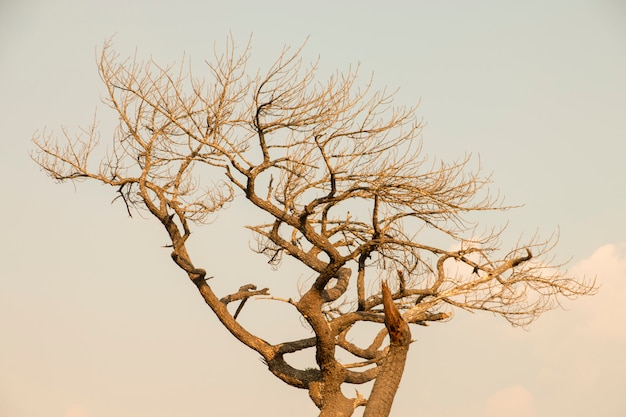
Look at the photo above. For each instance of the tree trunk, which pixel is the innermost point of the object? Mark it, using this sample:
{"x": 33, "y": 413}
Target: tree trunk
{"x": 388, "y": 380}
{"x": 331, "y": 402}
{"x": 341, "y": 408}
{"x": 387, "y": 383}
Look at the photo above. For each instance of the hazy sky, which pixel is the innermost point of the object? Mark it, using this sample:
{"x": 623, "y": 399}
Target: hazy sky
{"x": 95, "y": 319}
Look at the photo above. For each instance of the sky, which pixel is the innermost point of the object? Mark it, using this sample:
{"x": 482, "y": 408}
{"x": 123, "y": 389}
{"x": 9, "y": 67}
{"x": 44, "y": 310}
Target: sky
{"x": 95, "y": 319}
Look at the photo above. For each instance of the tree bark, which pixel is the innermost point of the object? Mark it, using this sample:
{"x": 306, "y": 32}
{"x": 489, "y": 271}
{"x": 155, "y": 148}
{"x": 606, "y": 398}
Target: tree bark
{"x": 337, "y": 406}
{"x": 388, "y": 380}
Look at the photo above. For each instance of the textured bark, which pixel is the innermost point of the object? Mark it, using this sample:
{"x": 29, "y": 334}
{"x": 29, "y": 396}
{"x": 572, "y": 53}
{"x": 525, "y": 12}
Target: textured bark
{"x": 337, "y": 406}
{"x": 388, "y": 380}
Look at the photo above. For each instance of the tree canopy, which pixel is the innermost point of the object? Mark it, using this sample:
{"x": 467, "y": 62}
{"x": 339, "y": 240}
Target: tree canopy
{"x": 341, "y": 186}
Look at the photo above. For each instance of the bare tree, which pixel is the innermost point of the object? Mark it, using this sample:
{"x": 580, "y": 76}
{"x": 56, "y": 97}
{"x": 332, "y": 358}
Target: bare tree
{"x": 338, "y": 172}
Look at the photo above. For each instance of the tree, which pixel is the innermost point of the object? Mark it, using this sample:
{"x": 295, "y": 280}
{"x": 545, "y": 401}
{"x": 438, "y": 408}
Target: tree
{"x": 337, "y": 173}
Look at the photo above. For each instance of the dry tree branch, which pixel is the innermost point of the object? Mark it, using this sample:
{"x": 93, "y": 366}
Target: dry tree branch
{"x": 340, "y": 174}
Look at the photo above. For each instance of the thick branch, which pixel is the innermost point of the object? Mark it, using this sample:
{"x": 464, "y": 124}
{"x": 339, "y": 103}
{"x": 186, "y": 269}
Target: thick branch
{"x": 390, "y": 374}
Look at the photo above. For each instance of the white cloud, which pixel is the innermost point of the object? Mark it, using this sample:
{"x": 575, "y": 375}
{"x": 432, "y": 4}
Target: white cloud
{"x": 581, "y": 349}
{"x": 76, "y": 410}
{"x": 583, "y": 341}
{"x": 608, "y": 263}
{"x": 515, "y": 401}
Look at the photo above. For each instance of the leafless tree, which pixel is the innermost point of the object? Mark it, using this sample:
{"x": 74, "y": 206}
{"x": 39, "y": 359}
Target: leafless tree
{"x": 338, "y": 172}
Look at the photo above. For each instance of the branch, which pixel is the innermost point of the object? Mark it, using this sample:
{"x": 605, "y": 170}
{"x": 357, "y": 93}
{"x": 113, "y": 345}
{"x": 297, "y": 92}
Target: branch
{"x": 397, "y": 327}
{"x": 245, "y": 292}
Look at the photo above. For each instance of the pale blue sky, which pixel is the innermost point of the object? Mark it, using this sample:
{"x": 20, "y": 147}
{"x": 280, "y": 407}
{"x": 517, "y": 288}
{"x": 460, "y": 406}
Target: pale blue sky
{"x": 96, "y": 321}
